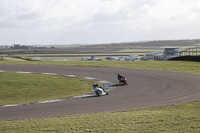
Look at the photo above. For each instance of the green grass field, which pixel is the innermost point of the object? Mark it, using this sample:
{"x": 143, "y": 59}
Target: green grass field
{"x": 10, "y": 59}
{"x": 17, "y": 88}
{"x": 182, "y": 118}
{"x": 101, "y": 55}
{"x": 174, "y": 118}
{"x": 141, "y": 50}
{"x": 178, "y": 66}
{"x": 76, "y": 56}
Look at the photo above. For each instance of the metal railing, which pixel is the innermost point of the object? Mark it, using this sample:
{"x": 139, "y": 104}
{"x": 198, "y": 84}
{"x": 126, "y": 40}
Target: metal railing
{"x": 191, "y": 51}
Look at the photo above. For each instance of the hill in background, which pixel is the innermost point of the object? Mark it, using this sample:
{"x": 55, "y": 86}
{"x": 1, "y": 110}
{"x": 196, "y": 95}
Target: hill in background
{"x": 112, "y": 47}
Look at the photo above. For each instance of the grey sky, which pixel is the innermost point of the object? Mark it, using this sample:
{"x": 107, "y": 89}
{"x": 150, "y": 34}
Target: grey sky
{"x": 45, "y": 22}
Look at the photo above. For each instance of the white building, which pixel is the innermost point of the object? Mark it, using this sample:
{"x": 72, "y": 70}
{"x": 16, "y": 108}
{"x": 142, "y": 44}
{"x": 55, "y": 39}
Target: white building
{"x": 171, "y": 52}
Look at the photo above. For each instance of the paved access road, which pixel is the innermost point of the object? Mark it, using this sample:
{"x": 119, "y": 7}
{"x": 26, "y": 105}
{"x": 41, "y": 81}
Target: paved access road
{"x": 147, "y": 88}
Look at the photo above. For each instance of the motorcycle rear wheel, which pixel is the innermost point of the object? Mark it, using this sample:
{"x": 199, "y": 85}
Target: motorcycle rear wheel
{"x": 98, "y": 93}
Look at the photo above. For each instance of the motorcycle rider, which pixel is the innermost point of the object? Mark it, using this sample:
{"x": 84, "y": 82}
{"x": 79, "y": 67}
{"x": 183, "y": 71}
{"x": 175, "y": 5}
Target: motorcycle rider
{"x": 120, "y": 77}
{"x": 97, "y": 85}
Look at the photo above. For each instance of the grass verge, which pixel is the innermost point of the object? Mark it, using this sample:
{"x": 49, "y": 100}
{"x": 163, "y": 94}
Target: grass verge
{"x": 174, "y": 118}
{"x": 178, "y": 66}
{"x": 18, "y": 88}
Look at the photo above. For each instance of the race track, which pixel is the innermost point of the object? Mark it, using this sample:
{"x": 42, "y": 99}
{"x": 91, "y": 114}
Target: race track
{"x": 147, "y": 88}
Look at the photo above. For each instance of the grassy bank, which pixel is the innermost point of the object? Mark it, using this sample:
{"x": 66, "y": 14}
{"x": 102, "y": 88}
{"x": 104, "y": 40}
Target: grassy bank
{"x": 16, "y": 88}
{"x": 174, "y": 118}
{"x": 178, "y": 66}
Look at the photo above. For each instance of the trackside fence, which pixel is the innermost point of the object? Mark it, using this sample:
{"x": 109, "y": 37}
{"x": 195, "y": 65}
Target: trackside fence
{"x": 191, "y": 52}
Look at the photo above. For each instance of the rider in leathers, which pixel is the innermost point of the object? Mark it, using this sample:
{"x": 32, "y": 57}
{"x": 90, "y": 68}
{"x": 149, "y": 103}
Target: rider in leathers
{"x": 97, "y": 85}
{"x": 120, "y": 77}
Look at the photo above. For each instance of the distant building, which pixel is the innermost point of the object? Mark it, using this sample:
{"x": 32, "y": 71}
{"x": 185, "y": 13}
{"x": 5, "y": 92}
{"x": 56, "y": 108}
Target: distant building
{"x": 18, "y": 46}
{"x": 4, "y": 47}
{"x": 40, "y": 47}
{"x": 168, "y": 53}
{"x": 171, "y": 52}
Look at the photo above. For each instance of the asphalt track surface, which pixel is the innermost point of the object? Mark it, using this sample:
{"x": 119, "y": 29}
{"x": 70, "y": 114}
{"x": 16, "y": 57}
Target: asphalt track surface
{"x": 147, "y": 88}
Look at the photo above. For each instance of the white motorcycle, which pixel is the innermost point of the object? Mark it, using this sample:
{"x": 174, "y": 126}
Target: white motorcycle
{"x": 99, "y": 91}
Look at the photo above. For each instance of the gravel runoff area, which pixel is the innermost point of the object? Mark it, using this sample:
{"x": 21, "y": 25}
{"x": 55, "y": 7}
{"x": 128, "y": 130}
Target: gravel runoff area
{"x": 147, "y": 88}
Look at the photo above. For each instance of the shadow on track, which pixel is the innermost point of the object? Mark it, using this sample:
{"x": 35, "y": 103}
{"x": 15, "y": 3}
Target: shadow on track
{"x": 93, "y": 96}
{"x": 118, "y": 85}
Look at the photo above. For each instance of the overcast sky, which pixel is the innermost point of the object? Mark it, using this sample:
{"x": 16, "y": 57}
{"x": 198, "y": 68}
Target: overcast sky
{"x": 29, "y": 22}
